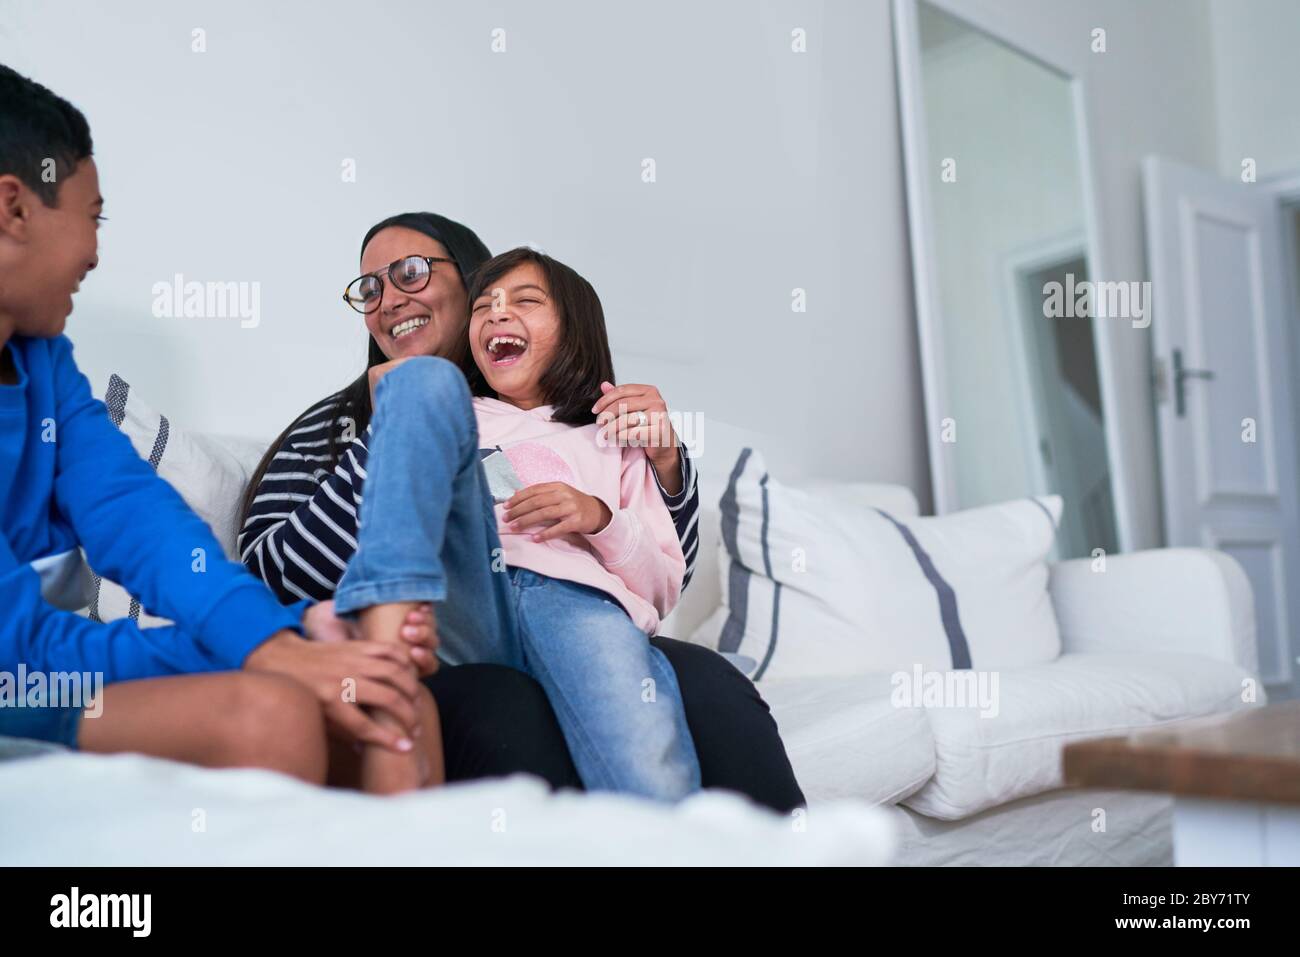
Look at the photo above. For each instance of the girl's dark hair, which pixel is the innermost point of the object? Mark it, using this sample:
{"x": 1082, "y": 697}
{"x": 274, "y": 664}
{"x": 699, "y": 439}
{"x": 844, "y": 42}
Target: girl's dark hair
{"x": 468, "y": 252}
{"x": 582, "y": 360}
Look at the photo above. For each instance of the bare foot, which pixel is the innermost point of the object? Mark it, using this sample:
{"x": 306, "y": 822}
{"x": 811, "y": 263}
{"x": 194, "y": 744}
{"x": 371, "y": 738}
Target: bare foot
{"x": 384, "y": 622}
{"x": 429, "y": 743}
{"x": 384, "y": 771}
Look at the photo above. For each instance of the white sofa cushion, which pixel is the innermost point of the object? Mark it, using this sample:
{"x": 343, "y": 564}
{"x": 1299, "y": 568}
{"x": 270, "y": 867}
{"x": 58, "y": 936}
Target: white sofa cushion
{"x": 1191, "y": 600}
{"x": 985, "y": 761}
{"x": 846, "y": 739}
{"x": 818, "y": 586}
{"x": 705, "y": 594}
{"x": 209, "y": 472}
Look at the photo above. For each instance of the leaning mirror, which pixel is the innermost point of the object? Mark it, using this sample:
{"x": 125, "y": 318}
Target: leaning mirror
{"x": 996, "y": 200}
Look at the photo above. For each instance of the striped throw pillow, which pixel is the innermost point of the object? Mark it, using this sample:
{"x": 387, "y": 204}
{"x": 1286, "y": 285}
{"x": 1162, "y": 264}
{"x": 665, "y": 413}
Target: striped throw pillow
{"x": 816, "y": 585}
{"x": 210, "y": 473}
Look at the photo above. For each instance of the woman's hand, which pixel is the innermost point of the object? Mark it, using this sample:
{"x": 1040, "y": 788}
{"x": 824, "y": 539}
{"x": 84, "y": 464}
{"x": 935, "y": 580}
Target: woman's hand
{"x": 637, "y": 415}
{"x": 347, "y": 676}
{"x": 559, "y": 506}
{"x": 377, "y": 372}
{"x": 321, "y": 623}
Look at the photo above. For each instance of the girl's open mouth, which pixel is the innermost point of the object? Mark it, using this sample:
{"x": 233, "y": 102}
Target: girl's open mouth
{"x": 506, "y": 350}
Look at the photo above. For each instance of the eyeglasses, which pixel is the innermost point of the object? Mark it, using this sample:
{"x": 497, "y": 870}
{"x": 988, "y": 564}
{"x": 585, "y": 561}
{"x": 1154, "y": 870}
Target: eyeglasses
{"x": 409, "y": 274}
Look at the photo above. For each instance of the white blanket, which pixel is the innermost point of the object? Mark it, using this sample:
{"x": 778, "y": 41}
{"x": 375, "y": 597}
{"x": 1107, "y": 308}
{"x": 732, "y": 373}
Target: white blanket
{"x": 79, "y": 809}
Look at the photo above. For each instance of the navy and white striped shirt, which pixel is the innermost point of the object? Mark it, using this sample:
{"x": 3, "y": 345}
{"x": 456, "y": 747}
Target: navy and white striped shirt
{"x": 301, "y": 529}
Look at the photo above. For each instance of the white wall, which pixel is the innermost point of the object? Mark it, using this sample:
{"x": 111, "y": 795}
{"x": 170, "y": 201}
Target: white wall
{"x": 775, "y": 170}
{"x": 1256, "y": 79}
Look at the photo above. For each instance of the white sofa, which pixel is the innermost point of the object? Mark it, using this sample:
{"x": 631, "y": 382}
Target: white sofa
{"x": 72, "y": 809}
{"x": 1160, "y": 636}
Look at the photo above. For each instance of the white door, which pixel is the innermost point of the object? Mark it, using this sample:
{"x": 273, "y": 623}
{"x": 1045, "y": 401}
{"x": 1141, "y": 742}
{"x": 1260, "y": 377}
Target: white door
{"x": 1227, "y": 425}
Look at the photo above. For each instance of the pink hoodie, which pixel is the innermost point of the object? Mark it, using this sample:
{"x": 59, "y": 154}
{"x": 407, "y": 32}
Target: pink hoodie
{"x": 636, "y": 559}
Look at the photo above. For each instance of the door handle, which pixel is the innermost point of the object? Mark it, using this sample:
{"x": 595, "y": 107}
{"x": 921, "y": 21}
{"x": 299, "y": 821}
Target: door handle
{"x": 1181, "y": 375}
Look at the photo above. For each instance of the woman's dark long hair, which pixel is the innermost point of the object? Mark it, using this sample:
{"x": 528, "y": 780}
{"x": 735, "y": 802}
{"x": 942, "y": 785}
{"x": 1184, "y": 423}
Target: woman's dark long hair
{"x": 582, "y": 360}
{"x": 468, "y": 252}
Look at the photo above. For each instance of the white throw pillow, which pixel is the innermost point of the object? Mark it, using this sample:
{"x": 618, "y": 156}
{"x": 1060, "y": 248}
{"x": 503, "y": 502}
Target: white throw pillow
{"x": 209, "y": 472}
{"x": 813, "y": 585}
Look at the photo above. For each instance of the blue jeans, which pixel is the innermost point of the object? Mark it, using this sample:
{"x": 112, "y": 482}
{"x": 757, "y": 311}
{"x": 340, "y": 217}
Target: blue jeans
{"x": 428, "y": 533}
{"x": 426, "y": 527}
{"x": 614, "y": 694}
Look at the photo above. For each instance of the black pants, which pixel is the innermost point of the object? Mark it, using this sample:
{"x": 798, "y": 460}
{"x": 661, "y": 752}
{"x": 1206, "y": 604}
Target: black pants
{"x": 496, "y": 721}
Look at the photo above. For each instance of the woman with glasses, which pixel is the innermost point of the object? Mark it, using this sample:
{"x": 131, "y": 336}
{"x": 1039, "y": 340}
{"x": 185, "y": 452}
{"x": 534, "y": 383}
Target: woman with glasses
{"x": 299, "y": 530}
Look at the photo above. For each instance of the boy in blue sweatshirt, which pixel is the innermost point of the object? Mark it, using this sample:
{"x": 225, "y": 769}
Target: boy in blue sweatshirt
{"x": 234, "y": 682}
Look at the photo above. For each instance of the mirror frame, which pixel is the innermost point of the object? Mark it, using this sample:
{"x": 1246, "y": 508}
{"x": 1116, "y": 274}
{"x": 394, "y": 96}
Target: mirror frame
{"x": 1001, "y": 27}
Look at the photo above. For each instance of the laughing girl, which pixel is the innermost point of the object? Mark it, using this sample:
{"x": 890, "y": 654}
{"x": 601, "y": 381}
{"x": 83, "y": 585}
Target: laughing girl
{"x": 547, "y": 547}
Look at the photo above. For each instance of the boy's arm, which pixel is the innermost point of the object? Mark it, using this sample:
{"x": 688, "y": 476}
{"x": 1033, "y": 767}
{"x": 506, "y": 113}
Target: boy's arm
{"x": 137, "y": 531}
{"x": 45, "y": 639}
{"x": 640, "y": 543}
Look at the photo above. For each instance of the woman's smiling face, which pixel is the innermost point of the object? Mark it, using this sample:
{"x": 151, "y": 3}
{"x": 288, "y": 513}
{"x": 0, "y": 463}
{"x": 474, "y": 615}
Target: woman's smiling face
{"x": 425, "y": 323}
{"x": 514, "y": 330}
